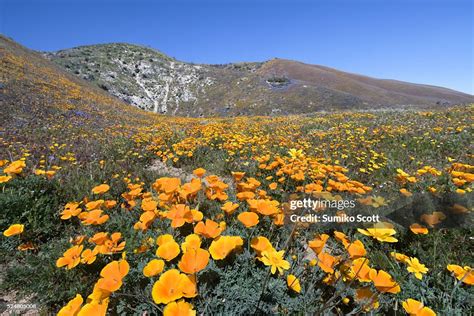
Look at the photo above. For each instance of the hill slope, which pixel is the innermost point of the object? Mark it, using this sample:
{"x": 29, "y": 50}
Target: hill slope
{"x": 40, "y": 102}
{"x": 34, "y": 87}
{"x": 153, "y": 81}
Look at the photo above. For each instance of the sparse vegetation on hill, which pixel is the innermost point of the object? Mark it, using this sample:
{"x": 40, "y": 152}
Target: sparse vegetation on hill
{"x": 153, "y": 81}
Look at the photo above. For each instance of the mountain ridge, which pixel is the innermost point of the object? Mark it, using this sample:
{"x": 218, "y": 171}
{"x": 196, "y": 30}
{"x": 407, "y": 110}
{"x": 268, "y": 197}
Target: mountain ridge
{"x": 151, "y": 80}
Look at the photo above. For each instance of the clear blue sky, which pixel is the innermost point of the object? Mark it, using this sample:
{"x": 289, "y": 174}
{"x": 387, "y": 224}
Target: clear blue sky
{"x": 423, "y": 41}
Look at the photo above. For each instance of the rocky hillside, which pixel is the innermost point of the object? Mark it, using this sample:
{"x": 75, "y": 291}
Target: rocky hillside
{"x": 37, "y": 94}
{"x": 153, "y": 81}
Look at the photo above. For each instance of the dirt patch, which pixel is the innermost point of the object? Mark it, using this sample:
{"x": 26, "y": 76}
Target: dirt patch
{"x": 163, "y": 168}
{"x": 13, "y": 304}
{"x": 171, "y": 171}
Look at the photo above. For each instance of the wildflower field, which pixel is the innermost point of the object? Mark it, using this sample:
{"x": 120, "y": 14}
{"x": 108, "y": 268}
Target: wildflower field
{"x": 107, "y": 209}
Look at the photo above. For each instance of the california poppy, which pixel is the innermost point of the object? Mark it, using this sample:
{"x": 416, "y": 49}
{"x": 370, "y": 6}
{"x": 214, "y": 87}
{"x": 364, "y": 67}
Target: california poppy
{"x": 318, "y": 243}
{"x": 13, "y": 230}
{"x": 194, "y": 260}
{"x": 416, "y": 308}
{"x": 260, "y": 244}
{"x": 154, "y": 267}
{"x": 72, "y": 307}
{"x": 179, "y": 308}
{"x": 168, "y": 249}
{"x": 222, "y": 246}
{"x": 70, "y": 258}
{"x": 249, "y": 219}
{"x": 199, "y": 172}
{"x": 192, "y": 241}
{"x": 418, "y": 229}
{"x": 384, "y": 281}
{"x": 210, "y": 229}
{"x": 229, "y": 207}
{"x": 171, "y": 286}
{"x": 101, "y": 189}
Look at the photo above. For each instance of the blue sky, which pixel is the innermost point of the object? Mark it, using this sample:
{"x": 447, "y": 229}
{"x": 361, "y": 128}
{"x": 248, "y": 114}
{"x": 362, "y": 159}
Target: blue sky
{"x": 422, "y": 41}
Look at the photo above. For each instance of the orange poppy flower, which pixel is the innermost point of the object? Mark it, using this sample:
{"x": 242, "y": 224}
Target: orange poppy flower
{"x": 433, "y": 219}
{"x": 70, "y": 209}
{"x": 109, "y": 204}
{"x": 146, "y": 219}
{"x": 384, "y": 281}
{"x": 180, "y": 308}
{"x": 405, "y": 192}
{"x": 112, "y": 245}
{"x": 168, "y": 248}
{"x": 167, "y": 185}
{"x": 92, "y": 205}
{"x": 199, "y": 172}
{"x": 360, "y": 269}
{"x": 171, "y": 286}
{"x": 16, "y": 167}
{"x": 149, "y": 205}
{"x": 327, "y": 262}
{"x": 466, "y": 274}
{"x": 94, "y": 307}
{"x": 70, "y": 258}
{"x": 154, "y": 267}
{"x": 459, "y": 209}
{"x": 416, "y": 308}
{"x": 192, "y": 241}
{"x": 101, "y": 189}
{"x": 341, "y": 237}
{"x": 264, "y": 207}
{"x": 418, "y": 229}
{"x": 215, "y": 190}
{"x": 209, "y": 230}
{"x": 400, "y": 257}
{"x": 245, "y": 195}
{"x": 260, "y": 244}
{"x": 94, "y": 217}
{"x": 249, "y": 219}
{"x": 5, "y": 179}
{"x": 72, "y": 307}
{"x": 112, "y": 275}
{"x": 88, "y": 256}
{"x": 190, "y": 189}
{"x": 318, "y": 243}
{"x": 279, "y": 219}
{"x": 194, "y": 260}
{"x": 179, "y": 215}
{"x": 229, "y": 207}
{"x": 13, "y": 230}
{"x": 99, "y": 238}
{"x": 356, "y": 249}
{"x": 98, "y": 294}
{"x": 237, "y": 175}
{"x": 222, "y": 246}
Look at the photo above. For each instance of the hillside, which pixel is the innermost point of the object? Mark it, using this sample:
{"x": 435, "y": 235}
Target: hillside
{"x": 153, "y": 81}
{"x": 40, "y": 101}
{"x": 33, "y": 87}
